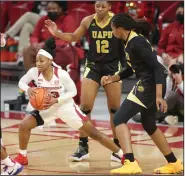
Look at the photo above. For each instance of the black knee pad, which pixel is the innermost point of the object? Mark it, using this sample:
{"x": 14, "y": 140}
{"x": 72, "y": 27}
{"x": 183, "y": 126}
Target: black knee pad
{"x": 150, "y": 129}
{"x": 86, "y": 112}
{"x": 117, "y": 120}
{"x": 113, "y": 111}
{"x": 35, "y": 113}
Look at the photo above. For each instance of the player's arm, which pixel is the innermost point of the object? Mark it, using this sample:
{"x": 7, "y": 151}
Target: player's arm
{"x": 143, "y": 49}
{"x": 69, "y": 86}
{"x": 27, "y": 78}
{"x": 70, "y": 37}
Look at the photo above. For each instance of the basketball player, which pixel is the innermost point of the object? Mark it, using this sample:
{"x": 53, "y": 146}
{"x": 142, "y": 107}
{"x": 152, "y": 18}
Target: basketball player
{"x": 146, "y": 96}
{"x": 48, "y": 75}
{"x": 102, "y": 59}
{"x": 8, "y": 166}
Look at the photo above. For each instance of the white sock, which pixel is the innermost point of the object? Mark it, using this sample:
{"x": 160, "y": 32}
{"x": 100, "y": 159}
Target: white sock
{"x": 120, "y": 153}
{"x": 23, "y": 152}
{"x": 8, "y": 162}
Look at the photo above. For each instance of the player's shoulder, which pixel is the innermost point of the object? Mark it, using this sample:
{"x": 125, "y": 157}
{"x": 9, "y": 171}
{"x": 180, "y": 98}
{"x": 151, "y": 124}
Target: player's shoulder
{"x": 33, "y": 70}
{"x": 62, "y": 73}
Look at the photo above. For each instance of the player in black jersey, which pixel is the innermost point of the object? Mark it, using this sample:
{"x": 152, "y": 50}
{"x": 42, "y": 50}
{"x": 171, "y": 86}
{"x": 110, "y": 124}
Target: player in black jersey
{"x": 146, "y": 96}
{"x": 102, "y": 59}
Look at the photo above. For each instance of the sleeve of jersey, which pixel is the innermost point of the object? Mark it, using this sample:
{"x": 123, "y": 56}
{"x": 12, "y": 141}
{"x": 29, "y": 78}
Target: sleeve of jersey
{"x": 126, "y": 72}
{"x": 68, "y": 85}
{"x": 31, "y": 75}
{"x": 143, "y": 50}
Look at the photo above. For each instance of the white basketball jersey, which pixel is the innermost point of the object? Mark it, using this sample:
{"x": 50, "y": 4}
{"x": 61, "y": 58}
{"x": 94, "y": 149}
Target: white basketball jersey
{"x": 55, "y": 85}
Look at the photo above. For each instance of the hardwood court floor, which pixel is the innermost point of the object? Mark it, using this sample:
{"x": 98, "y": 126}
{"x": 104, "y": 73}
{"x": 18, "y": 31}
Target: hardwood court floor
{"x": 50, "y": 146}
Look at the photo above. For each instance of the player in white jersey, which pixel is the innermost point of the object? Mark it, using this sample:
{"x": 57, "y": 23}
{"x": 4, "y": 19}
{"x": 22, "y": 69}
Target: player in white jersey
{"x": 47, "y": 74}
{"x": 8, "y": 166}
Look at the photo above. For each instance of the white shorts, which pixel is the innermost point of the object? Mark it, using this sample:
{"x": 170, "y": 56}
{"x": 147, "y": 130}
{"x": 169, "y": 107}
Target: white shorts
{"x": 68, "y": 113}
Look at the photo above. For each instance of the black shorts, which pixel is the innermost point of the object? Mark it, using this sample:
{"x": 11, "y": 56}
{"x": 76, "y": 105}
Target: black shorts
{"x": 141, "y": 99}
{"x": 95, "y": 70}
{"x": 144, "y": 93}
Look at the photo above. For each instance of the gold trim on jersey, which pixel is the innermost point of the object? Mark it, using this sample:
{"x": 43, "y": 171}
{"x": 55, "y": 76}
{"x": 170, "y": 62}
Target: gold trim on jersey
{"x": 133, "y": 98}
{"x": 108, "y": 21}
{"x": 87, "y": 70}
{"x": 131, "y": 36}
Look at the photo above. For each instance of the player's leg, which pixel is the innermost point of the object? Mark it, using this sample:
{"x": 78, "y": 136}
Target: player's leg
{"x": 74, "y": 117}
{"x": 31, "y": 121}
{"x": 127, "y": 110}
{"x": 113, "y": 102}
{"x": 8, "y": 166}
{"x": 89, "y": 91}
{"x": 149, "y": 124}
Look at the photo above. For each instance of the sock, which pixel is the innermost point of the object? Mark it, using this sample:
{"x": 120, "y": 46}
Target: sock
{"x": 120, "y": 153}
{"x": 116, "y": 141}
{"x": 8, "y": 162}
{"x": 171, "y": 158}
{"x": 23, "y": 152}
{"x": 129, "y": 156}
{"x": 83, "y": 141}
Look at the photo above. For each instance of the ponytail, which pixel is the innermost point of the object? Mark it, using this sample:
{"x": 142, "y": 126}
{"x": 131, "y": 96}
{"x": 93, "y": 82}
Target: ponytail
{"x": 128, "y": 23}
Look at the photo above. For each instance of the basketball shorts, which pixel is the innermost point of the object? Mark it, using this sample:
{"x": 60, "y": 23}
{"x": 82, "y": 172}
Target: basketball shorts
{"x": 69, "y": 113}
{"x": 96, "y": 70}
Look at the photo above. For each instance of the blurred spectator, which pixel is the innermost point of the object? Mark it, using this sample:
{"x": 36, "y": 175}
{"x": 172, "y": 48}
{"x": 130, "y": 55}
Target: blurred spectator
{"x": 67, "y": 55}
{"x": 175, "y": 98}
{"x": 25, "y": 25}
{"x": 11, "y": 11}
{"x": 171, "y": 43}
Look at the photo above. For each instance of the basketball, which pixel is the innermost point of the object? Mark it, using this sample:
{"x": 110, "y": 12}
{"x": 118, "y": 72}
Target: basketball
{"x": 38, "y": 101}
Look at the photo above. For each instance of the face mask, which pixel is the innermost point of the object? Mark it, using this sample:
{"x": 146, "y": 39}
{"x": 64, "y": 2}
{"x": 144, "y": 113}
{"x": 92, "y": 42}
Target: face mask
{"x": 180, "y": 18}
{"x": 53, "y": 15}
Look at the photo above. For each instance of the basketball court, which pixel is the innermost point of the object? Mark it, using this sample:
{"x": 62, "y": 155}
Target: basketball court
{"x": 50, "y": 146}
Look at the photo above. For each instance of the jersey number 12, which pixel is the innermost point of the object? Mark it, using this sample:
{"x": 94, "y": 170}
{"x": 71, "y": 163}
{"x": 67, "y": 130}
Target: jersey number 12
{"x": 102, "y": 46}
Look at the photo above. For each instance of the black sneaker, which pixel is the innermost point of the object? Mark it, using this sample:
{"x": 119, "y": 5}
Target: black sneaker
{"x": 81, "y": 154}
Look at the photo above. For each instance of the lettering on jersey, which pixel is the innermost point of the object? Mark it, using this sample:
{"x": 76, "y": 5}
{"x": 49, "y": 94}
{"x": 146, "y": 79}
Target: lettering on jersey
{"x": 56, "y": 82}
{"x": 101, "y": 34}
{"x": 51, "y": 88}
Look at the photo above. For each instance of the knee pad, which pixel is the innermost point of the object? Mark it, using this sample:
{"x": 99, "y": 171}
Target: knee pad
{"x": 150, "y": 129}
{"x": 86, "y": 112}
{"x": 38, "y": 118}
{"x": 117, "y": 120}
{"x": 113, "y": 111}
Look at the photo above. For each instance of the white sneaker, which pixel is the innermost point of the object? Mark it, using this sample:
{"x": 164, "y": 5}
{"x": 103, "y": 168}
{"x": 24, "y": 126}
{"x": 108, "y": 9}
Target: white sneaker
{"x": 115, "y": 157}
{"x": 171, "y": 120}
{"x": 14, "y": 170}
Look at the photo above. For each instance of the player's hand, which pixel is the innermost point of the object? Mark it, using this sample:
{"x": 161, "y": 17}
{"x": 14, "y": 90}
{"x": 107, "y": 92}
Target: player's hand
{"x": 31, "y": 92}
{"x": 52, "y": 27}
{"x": 106, "y": 80}
{"x": 50, "y": 102}
{"x": 161, "y": 104}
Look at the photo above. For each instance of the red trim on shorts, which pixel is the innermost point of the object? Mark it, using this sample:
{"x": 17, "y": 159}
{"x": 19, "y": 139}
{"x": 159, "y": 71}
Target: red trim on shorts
{"x": 81, "y": 115}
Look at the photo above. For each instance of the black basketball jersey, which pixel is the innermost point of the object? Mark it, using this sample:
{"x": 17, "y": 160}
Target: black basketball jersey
{"x": 103, "y": 46}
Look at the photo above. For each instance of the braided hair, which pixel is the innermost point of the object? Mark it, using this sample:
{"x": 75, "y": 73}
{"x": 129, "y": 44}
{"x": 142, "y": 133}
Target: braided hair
{"x": 128, "y": 23}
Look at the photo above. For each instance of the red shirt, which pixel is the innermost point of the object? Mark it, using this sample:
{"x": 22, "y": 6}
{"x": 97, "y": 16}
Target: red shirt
{"x": 10, "y": 12}
{"x": 172, "y": 40}
{"x": 41, "y": 33}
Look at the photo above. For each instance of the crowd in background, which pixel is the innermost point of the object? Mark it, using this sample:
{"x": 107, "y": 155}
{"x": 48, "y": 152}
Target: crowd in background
{"x": 22, "y": 23}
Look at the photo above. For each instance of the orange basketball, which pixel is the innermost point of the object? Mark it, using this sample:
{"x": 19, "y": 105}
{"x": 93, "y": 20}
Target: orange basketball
{"x": 38, "y": 101}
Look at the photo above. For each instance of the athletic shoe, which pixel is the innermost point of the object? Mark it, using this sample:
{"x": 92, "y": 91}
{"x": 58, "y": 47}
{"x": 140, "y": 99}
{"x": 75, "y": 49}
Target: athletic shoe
{"x": 128, "y": 168}
{"x": 170, "y": 168}
{"x": 21, "y": 159}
